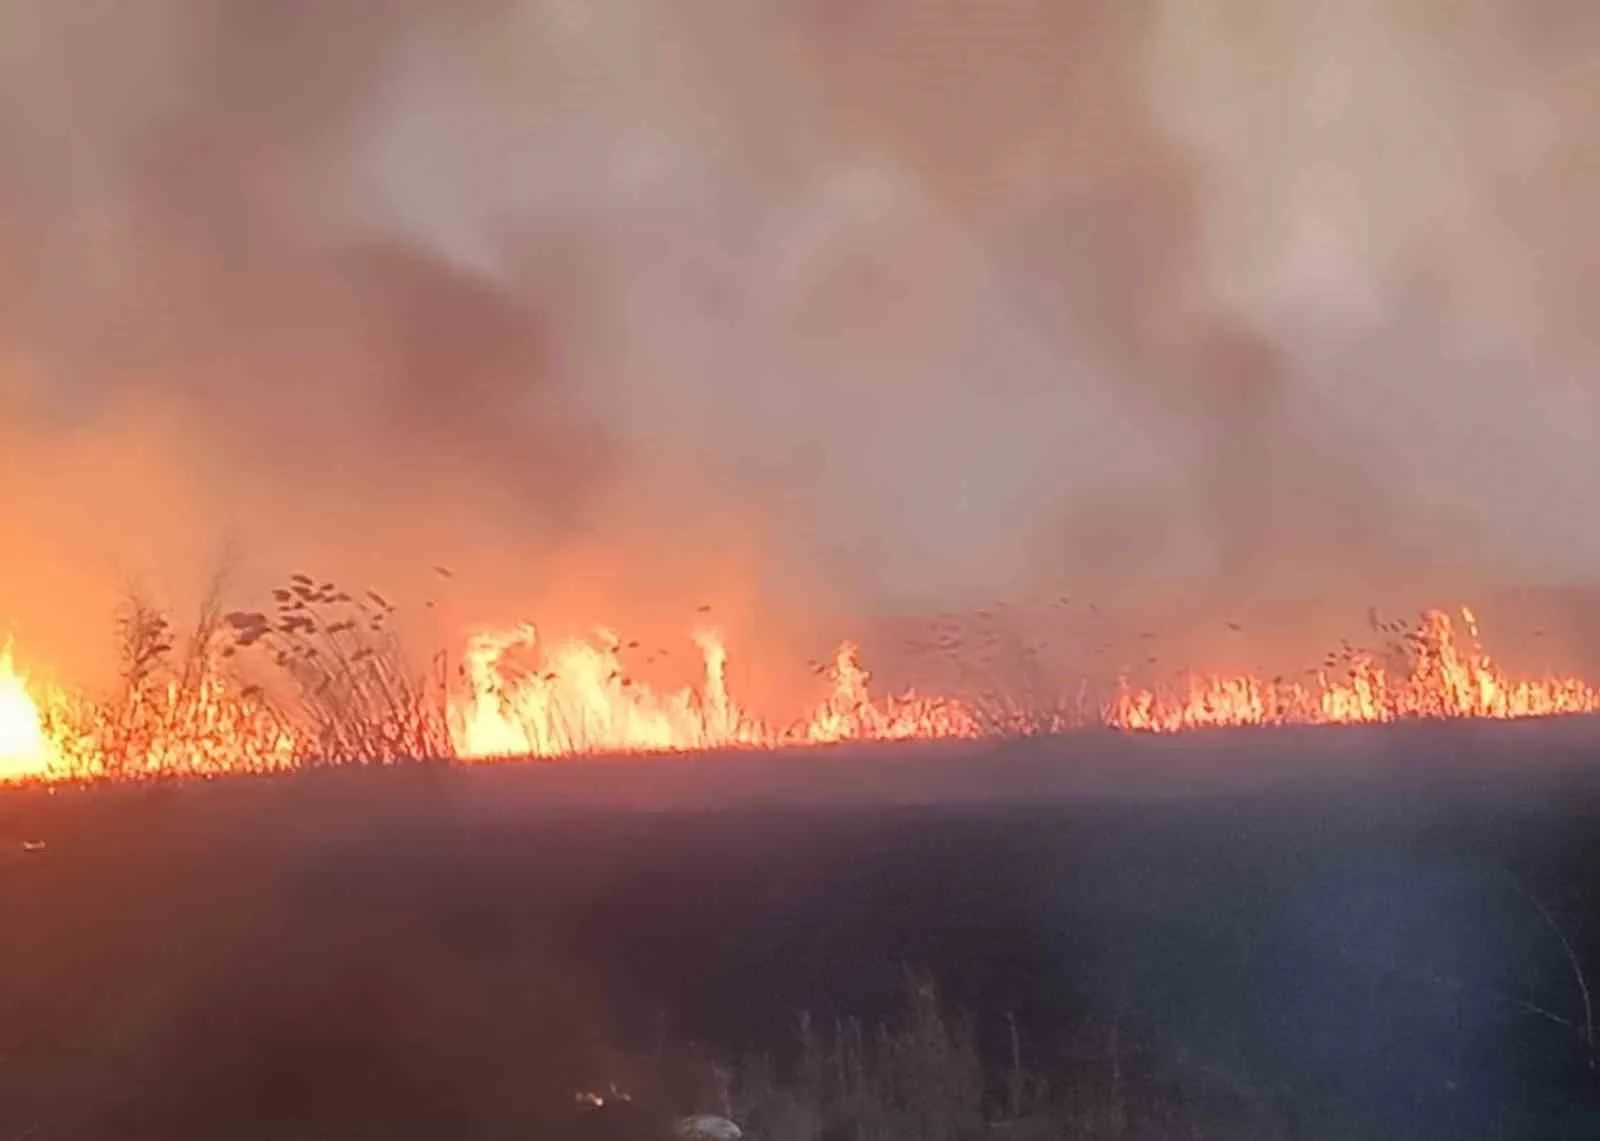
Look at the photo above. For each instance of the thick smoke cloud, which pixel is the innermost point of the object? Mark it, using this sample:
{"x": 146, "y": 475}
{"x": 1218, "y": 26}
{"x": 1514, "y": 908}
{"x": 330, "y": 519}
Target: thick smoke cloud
{"x": 804, "y": 305}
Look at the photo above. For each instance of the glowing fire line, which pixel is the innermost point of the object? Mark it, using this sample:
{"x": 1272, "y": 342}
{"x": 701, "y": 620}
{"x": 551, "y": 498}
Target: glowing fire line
{"x": 1433, "y": 674}
{"x": 519, "y": 697}
{"x": 579, "y": 699}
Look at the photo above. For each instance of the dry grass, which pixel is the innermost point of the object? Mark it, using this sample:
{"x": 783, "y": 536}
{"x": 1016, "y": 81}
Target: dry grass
{"x": 343, "y": 677}
{"x": 321, "y": 680}
{"x": 175, "y": 710}
{"x": 321, "y": 677}
{"x": 922, "y": 1078}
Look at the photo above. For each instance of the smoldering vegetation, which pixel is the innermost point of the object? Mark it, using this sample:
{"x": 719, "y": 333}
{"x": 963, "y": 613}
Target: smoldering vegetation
{"x": 873, "y": 299}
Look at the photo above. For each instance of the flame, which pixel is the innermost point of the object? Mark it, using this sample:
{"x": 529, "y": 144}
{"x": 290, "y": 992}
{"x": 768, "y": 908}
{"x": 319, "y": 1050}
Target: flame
{"x": 851, "y": 714}
{"x": 520, "y": 695}
{"x": 578, "y": 699}
{"x": 1430, "y": 673}
{"x": 25, "y": 751}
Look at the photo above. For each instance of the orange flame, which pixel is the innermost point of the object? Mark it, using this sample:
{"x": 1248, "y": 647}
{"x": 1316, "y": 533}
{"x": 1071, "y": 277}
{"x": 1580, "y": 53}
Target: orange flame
{"x": 25, "y": 751}
{"x": 521, "y": 696}
{"x": 577, "y": 698}
{"x": 1435, "y": 674}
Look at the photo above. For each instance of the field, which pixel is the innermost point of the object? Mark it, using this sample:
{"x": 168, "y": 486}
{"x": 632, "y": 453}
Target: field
{"x": 1318, "y": 932}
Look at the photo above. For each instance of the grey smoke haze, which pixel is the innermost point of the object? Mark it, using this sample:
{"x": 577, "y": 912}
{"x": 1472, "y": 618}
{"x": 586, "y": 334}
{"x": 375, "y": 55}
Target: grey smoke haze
{"x": 849, "y": 303}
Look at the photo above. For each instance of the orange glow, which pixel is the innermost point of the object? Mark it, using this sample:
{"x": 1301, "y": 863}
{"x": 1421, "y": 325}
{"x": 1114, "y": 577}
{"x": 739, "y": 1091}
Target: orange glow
{"x": 578, "y": 698}
{"x": 1430, "y": 672}
{"x": 24, "y": 749}
{"x": 208, "y": 727}
{"x": 518, "y": 695}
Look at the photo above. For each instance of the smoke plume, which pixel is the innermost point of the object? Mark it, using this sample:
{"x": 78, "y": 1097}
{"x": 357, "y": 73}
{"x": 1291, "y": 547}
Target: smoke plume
{"x": 807, "y": 306}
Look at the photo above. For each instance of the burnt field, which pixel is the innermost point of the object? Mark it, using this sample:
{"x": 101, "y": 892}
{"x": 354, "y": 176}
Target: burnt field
{"x": 1359, "y": 932}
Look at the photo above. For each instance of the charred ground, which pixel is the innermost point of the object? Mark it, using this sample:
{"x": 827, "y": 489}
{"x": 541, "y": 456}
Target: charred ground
{"x": 1338, "y": 930}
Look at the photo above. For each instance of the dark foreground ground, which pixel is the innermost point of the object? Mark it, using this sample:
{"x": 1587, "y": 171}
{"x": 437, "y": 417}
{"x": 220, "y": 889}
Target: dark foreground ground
{"x": 1342, "y": 928}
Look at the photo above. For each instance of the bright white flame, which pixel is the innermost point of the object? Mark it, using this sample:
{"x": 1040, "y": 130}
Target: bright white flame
{"x": 24, "y": 749}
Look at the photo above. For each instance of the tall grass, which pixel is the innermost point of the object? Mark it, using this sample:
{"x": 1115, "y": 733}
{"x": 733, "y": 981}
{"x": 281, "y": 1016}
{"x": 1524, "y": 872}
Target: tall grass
{"x": 174, "y": 711}
{"x": 344, "y": 680}
{"x": 323, "y": 678}
{"x": 921, "y": 1076}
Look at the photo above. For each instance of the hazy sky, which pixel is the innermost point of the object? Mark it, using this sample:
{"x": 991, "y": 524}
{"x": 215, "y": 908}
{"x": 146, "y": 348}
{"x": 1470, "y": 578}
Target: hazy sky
{"x": 804, "y": 305}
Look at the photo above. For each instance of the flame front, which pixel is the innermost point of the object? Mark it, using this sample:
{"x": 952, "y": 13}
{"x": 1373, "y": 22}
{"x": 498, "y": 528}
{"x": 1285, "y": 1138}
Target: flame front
{"x": 1431, "y": 673}
{"x": 521, "y": 696}
{"x": 577, "y": 698}
{"x": 25, "y": 750}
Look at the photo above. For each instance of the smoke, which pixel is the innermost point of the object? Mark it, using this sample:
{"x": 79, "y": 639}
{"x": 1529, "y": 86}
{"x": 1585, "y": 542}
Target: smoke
{"x": 816, "y": 306}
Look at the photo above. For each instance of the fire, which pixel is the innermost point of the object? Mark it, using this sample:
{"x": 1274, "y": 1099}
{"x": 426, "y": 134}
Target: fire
{"x": 851, "y": 714}
{"x": 25, "y": 751}
{"x": 578, "y": 698}
{"x": 348, "y": 699}
{"x": 1430, "y": 673}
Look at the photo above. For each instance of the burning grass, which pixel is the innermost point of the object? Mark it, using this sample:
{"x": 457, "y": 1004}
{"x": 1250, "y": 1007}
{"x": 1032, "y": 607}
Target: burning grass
{"x": 578, "y": 698}
{"x": 343, "y": 673}
{"x": 1424, "y": 670}
{"x": 322, "y": 677}
{"x": 176, "y": 712}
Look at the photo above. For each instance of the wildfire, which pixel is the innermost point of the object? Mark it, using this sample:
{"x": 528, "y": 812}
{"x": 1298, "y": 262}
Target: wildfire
{"x": 516, "y": 694}
{"x": 24, "y": 749}
{"x": 1429, "y": 673}
{"x": 578, "y": 698}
